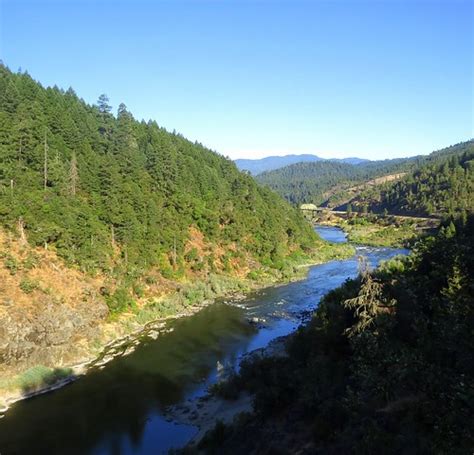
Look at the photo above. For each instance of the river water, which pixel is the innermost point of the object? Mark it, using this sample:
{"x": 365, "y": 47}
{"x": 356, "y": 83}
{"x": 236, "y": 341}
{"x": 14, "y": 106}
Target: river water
{"x": 119, "y": 409}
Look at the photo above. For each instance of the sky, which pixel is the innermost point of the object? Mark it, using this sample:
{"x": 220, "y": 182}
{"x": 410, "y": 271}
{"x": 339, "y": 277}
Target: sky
{"x": 374, "y": 79}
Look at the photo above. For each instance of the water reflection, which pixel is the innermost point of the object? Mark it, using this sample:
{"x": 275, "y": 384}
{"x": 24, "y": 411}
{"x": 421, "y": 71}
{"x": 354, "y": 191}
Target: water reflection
{"x": 119, "y": 409}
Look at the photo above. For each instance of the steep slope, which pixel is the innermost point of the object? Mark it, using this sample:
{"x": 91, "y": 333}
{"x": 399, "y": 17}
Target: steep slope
{"x": 45, "y": 308}
{"x": 442, "y": 185}
{"x": 384, "y": 366}
{"x": 107, "y": 223}
{"x": 306, "y": 182}
{"x": 335, "y": 184}
{"x": 111, "y": 192}
{"x": 316, "y": 182}
{"x": 338, "y": 197}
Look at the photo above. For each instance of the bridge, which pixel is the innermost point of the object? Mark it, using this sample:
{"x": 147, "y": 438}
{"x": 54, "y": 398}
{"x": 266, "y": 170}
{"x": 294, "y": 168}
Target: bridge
{"x": 313, "y": 211}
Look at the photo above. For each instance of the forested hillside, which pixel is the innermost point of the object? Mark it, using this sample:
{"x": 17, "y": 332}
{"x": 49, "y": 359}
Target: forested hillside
{"x": 444, "y": 185}
{"x": 385, "y": 365}
{"x": 315, "y": 182}
{"x": 108, "y": 223}
{"x": 439, "y": 183}
{"x": 110, "y": 193}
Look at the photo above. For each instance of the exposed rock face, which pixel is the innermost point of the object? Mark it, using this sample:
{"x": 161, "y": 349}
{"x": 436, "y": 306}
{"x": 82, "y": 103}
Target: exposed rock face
{"x": 49, "y": 313}
{"x": 53, "y": 336}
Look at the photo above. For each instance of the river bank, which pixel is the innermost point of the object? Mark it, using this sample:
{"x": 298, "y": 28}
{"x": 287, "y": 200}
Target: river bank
{"x": 122, "y": 335}
{"x": 117, "y": 347}
{"x": 205, "y": 411}
{"x": 127, "y": 399}
{"x": 355, "y": 379}
{"x": 379, "y": 231}
{"x": 224, "y": 403}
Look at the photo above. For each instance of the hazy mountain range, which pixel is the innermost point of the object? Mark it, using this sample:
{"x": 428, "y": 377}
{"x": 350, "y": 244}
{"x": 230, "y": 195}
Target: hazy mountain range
{"x": 271, "y": 163}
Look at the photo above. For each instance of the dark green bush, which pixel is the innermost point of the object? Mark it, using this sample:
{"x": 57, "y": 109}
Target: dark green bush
{"x": 119, "y": 301}
{"x": 27, "y": 285}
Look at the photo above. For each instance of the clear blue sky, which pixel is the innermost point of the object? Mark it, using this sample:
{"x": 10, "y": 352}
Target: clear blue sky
{"x": 375, "y": 79}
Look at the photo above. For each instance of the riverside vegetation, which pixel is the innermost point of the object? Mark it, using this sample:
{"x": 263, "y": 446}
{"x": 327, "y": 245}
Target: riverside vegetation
{"x": 379, "y": 230}
{"x": 438, "y": 186}
{"x": 384, "y": 366}
{"x": 107, "y": 222}
{"x": 386, "y": 362}
{"x": 375, "y": 231}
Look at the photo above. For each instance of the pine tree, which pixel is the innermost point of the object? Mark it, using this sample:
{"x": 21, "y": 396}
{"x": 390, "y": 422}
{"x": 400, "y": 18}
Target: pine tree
{"x": 103, "y": 104}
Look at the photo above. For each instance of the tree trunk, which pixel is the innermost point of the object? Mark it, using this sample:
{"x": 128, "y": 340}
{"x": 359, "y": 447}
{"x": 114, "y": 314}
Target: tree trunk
{"x": 21, "y": 231}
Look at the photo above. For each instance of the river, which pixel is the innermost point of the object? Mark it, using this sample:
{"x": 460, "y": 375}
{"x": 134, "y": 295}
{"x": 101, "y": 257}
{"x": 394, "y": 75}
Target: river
{"x": 119, "y": 409}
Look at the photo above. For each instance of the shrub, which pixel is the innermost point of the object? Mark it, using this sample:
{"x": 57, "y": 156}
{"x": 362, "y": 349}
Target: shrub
{"x": 31, "y": 261}
{"x": 41, "y": 376}
{"x": 150, "y": 279}
{"x": 11, "y": 264}
{"x": 192, "y": 255}
{"x": 28, "y": 286}
{"x": 138, "y": 290}
{"x": 253, "y": 275}
{"x": 119, "y": 301}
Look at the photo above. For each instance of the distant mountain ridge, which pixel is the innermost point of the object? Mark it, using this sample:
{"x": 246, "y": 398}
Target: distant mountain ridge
{"x": 271, "y": 163}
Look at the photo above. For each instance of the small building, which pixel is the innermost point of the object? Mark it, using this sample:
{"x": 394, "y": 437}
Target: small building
{"x": 309, "y": 210}
{"x": 309, "y": 207}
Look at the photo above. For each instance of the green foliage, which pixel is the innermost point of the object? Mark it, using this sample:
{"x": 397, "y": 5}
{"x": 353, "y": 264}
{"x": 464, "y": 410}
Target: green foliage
{"x": 190, "y": 294}
{"x": 138, "y": 290}
{"x": 27, "y": 285}
{"x": 311, "y": 182}
{"x": 11, "y": 264}
{"x": 384, "y": 366}
{"x": 440, "y": 183}
{"x": 379, "y": 231}
{"x": 36, "y": 378}
{"x": 120, "y": 194}
{"x": 31, "y": 261}
{"x": 443, "y": 185}
{"x": 192, "y": 255}
{"x": 119, "y": 301}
